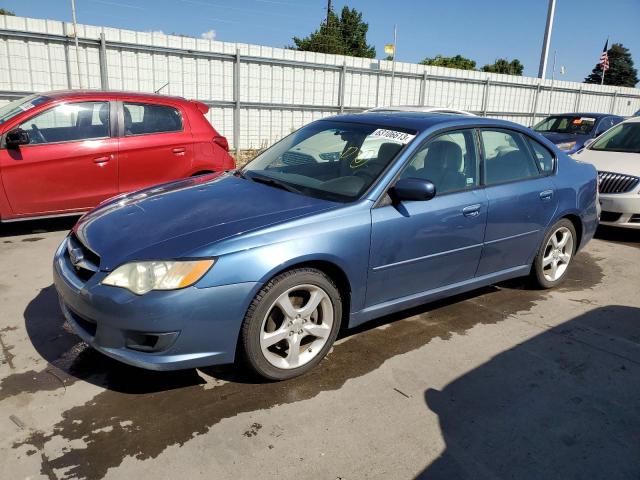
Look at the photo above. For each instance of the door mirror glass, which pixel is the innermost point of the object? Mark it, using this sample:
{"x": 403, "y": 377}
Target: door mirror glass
{"x": 17, "y": 137}
{"x": 413, "y": 189}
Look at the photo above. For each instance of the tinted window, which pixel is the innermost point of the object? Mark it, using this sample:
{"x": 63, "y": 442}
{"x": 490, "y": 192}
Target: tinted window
{"x": 543, "y": 156}
{"x": 449, "y": 161}
{"x": 143, "y": 118}
{"x": 506, "y": 157}
{"x": 69, "y": 122}
{"x": 566, "y": 124}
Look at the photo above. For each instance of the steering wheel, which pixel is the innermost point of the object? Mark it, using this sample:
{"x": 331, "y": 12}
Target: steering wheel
{"x": 38, "y": 134}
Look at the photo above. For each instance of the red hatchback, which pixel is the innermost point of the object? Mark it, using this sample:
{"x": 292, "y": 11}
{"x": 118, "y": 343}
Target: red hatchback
{"x": 65, "y": 152}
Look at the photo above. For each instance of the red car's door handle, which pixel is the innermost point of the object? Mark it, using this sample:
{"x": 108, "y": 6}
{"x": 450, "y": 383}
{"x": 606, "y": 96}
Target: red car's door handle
{"x": 179, "y": 150}
{"x": 102, "y": 159}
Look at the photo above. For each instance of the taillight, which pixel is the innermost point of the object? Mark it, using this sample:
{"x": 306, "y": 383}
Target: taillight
{"x": 221, "y": 142}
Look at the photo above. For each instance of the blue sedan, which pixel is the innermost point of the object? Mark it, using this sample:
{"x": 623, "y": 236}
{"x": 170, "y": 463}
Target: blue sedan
{"x": 347, "y": 219}
{"x": 571, "y": 131}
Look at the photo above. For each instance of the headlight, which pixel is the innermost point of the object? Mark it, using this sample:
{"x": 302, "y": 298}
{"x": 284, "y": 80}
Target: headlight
{"x": 142, "y": 277}
{"x": 566, "y": 145}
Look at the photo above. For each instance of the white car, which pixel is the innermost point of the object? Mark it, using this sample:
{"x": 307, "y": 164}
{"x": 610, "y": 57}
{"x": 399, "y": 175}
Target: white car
{"x": 616, "y": 155}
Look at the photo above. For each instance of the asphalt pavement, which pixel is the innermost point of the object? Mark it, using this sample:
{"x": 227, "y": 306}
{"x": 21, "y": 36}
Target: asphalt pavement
{"x": 505, "y": 382}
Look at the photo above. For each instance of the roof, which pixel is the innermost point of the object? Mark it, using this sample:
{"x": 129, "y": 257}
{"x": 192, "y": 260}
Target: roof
{"x": 420, "y": 120}
{"x": 58, "y": 94}
{"x": 410, "y": 108}
{"x": 584, "y": 114}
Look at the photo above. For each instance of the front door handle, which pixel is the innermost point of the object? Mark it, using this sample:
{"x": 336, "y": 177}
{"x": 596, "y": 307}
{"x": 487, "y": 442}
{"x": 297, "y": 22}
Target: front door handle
{"x": 102, "y": 160}
{"x": 179, "y": 150}
{"x": 471, "y": 210}
{"x": 546, "y": 195}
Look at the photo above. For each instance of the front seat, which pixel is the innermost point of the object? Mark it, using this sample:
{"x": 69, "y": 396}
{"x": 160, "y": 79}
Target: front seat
{"x": 128, "y": 122}
{"x": 442, "y": 166}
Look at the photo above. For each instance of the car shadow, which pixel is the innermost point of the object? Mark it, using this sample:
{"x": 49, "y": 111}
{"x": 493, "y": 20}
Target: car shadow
{"x": 564, "y": 404}
{"x": 625, "y": 236}
{"x": 29, "y": 227}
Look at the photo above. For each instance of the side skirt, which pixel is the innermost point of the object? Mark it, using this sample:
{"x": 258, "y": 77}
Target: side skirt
{"x": 392, "y": 306}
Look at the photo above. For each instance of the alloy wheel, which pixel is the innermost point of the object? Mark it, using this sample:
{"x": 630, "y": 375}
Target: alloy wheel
{"x": 296, "y": 326}
{"x": 557, "y": 254}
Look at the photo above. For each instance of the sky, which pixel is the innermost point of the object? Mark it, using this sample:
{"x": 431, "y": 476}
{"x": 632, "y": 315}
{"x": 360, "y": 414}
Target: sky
{"x": 482, "y": 30}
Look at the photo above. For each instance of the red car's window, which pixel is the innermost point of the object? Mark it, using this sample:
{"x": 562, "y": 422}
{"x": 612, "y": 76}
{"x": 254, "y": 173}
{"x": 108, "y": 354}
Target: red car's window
{"x": 145, "y": 118}
{"x": 69, "y": 122}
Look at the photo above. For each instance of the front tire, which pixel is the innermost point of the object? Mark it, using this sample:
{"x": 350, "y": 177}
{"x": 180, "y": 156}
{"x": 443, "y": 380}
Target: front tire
{"x": 291, "y": 324}
{"x": 554, "y": 257}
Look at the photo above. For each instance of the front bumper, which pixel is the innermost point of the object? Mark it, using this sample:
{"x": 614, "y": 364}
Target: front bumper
{"x": 194, "y": 327}
{"x": 621, "y": 209}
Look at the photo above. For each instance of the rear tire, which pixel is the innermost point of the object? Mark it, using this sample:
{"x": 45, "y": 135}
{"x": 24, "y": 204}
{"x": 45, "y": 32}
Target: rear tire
{"x": 291, "y": 324}
{"x": 555, "y": 254}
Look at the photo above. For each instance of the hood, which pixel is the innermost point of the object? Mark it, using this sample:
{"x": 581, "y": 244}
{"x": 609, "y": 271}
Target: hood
{"x": 614, "y": 162}
{"x": 169, "y": 221}
{"x": 557, "y": 138}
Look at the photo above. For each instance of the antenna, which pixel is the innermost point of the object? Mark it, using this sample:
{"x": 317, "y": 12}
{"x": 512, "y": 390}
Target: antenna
{"x": 158, "y": 90}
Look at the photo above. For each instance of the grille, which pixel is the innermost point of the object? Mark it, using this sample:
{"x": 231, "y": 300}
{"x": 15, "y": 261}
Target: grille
{"x": 635, "y": 218}
{"x": 609, "y": 216}
{"x": 295, "y": 158}
{"x": 84, "y": 261}
{"x": 617, "y": 182}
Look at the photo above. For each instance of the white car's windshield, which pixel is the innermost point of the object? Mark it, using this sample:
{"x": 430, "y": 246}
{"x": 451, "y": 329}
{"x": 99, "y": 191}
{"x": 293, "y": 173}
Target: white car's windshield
{"x": 624, "y": 137}
{"x": 10, "y": 110}
{"x": 329, "y": 159}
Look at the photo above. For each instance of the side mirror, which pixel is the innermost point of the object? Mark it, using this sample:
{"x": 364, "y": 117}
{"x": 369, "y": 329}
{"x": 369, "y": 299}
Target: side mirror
{"x": 413, "y": 189}
{"x": 17, "y": 137}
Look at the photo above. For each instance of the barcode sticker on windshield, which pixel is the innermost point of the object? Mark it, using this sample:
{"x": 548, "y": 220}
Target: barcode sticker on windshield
{"x": 401, "y": 137}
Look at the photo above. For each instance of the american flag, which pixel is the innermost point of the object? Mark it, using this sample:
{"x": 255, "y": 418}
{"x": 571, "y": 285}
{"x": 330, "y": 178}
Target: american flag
{"x": 604, "y": 57}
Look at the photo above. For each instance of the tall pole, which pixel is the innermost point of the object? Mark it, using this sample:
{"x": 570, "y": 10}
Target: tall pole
{"x": 393, "y": 62}
{"x": 75, "y": 36}
{"x": 542, "y": 71}
{"x": 328, "y": 11}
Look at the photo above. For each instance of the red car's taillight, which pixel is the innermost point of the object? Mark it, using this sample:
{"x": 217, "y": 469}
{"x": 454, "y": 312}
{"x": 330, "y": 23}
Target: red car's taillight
{"x": 221, "y": 141}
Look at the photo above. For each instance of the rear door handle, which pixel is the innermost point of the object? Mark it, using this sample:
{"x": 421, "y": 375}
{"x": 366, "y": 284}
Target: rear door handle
{"x": 471, "y": 210}
{"x": 179, "y": 150}
{"x": 546, "y": 195}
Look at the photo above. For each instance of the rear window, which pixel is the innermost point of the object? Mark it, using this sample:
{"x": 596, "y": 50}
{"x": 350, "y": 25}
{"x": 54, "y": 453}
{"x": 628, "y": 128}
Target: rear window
{"x": 146, "y": 118}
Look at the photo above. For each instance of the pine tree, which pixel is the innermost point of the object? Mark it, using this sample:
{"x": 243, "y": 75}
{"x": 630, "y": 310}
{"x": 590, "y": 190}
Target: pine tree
{"x": 344, "y": 35}
{"x": 621, "y": 71}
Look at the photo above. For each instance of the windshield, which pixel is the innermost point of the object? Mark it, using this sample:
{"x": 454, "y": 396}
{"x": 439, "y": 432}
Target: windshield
{"x": 10, "y": 110}
{"x": 624, "y": 137}
{"x": 329, "y": 159}
{"x": 573, "y": 124}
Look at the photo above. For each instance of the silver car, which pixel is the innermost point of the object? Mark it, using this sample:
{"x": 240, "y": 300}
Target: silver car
{"x": 616, "y": 155}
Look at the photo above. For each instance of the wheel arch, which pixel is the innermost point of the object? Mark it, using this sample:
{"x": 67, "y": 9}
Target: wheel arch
{"x": 577, "y": 224}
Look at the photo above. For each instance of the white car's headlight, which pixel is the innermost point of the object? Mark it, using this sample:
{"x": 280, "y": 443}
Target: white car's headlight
{"x": 566, "y": 145}
{"x": 142, "y": 277}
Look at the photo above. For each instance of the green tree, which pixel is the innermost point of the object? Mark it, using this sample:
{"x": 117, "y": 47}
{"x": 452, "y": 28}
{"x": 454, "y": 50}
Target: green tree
{"x": 4, "y": 11}
{"x": 621, "y": 71}
{"x": 502, "y": 65}
{"x": 458, "y": 61}
{"x": 344, "y": 35}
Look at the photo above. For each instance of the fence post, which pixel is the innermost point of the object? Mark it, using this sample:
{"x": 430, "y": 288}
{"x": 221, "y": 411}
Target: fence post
{"x": 377, "y": 88}
{"x": 423, "y": 86}
{"x": 613, "y": 102}
{"x": 535, "y": 104}
{"x": 104, "y": 77}
{"x": 67, "y": 61}
{"x": 236, "y": 100}
{"x": 485, "y": 98}
{"x": 576, "y": 107}
{"x": 343, "y": 74}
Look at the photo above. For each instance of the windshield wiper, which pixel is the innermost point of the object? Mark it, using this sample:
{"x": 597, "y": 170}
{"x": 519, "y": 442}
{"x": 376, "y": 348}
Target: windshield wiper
{"x": 272, "y": 182}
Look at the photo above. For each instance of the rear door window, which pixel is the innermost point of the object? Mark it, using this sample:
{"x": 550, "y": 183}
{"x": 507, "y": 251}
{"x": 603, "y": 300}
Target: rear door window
{"x": 506, "y": 157}
{"x": 544, "y": 157}
{"x": 146, "y": 118}
{"x": 69, "y": 122}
